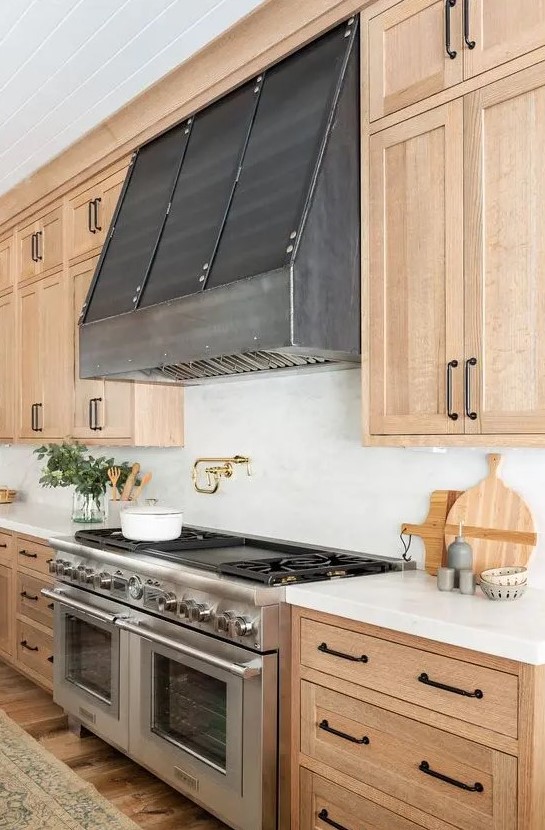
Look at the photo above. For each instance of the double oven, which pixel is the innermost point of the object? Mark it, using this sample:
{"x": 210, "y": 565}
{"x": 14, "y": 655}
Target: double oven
{"x": 199, "y": 712}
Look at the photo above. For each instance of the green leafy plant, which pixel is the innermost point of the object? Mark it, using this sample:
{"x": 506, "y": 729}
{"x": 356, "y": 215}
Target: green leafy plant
{"x": 71, "y": 465}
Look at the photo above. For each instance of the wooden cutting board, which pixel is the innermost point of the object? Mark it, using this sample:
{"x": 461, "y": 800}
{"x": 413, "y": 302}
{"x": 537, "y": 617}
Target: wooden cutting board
{"x": 432, "y": 531}
{"x": 497, "y": 522}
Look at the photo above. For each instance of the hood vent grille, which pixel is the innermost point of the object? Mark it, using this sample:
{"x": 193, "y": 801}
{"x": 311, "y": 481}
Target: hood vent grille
{"x": 239, "y": 364}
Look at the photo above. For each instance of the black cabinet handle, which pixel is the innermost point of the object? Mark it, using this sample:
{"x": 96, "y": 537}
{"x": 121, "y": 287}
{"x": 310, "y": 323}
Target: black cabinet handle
{"x": 323, "y": 815}
{"x": 93, "y": 414}
{"x": 24, "y": 644}
{"x": 28, "y": 596}
{"x": 96, "y": 403}
{"x": 3, "y": 546}
{"x": 423, "y": 678}
{"x": 324, "y": 724}
{"x": 28, "y": 555}
{"x": 472, "y": 788}
{"x": 90, "y": 216}
{"x": 469, "y": 412}
{"x": 324, "y": 648}
{"x": 51, "y": 606}
{"x": 449, "y": 4}
{"x": 469, "y": 43}
{"x": 33, "y": 247}
{"x": 51, "y": 659}
{"x": 452, "y": 364}
{"x": 34, "y": 417}
{"x": 39, "y": 245}
{"x": 96, "y": 203}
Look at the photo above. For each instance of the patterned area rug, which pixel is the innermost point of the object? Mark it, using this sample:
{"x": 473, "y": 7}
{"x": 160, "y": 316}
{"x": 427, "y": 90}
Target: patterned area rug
{"x": 39, "y": 792}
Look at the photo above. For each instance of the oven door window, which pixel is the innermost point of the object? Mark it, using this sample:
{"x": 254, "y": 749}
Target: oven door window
{"x": 88, "y": 661}
{"x": 190, "y": 710}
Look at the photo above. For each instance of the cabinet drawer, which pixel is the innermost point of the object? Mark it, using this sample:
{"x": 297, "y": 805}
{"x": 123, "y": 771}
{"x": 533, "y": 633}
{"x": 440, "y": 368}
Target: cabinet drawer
{"x": 395, "y": 670}
{"x": 6, "y": 548}
{"x": 30, "y": 601}
{"x": 33, "y": 555}
{"x": 455, "y": 780}
{"x": 35, "y": 649}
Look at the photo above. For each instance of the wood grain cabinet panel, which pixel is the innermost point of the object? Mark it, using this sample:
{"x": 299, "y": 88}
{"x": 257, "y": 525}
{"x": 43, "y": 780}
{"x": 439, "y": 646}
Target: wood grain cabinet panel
{"x": 35, "y": 649}
{"x": 397, "y": 756}
{"x": 505, "y": 252}
{"x": 30, "y": 388}
{"x": 30, "y": 602}
{"x": 27, "y": 266}
{"x": 395, "y": 670}
{"x": 6, "y": 610}
{"x": 6, "y": 263}
{"x": 33, "y": 555}
{"x": 8, "y": 379}
{"x": 50, "y": 241}
{"x": 416, "y": 282}
{"x": 502, "y": 30}
{"x": 321, "y": 800}
{"x": 6, "y": 549}
{"x": 91, "y": 210}
{"x": 408, "y": 60}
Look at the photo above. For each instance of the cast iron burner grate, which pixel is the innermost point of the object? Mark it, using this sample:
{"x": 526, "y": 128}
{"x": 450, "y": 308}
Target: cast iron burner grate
{"x": 307, "y": 567}
{"x": 190, "y": 539}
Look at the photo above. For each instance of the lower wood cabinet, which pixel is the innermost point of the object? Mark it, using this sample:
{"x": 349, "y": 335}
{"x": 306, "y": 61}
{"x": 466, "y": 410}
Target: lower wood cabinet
{"x": 379, "y": 747}
{"x": 35, "y": 649}
{"x": 6, "y": 610}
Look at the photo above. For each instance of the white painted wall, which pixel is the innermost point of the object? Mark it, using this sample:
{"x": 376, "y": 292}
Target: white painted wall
{"x": 312, "y": 481}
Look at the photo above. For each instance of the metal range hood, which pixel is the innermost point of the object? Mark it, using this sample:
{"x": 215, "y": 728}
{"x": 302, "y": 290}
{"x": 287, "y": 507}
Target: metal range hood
{"x": 235, "y": 245}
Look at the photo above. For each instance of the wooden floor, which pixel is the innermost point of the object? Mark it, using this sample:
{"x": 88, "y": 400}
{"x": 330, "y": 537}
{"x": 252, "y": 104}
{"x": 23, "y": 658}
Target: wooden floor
{"x": 150, "y": 803}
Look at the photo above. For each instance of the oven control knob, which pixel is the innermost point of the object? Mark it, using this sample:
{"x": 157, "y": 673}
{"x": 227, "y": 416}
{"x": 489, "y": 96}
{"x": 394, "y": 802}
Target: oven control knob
{"x": 136, "y": 589}
{"x": 223, "y": 621}
{"x": 167, "y": 602}
{"x": 52, "y": 566}
{"x": 186, "y": 607}
{"x": 58, "y": 567}
{"x": 89, "y": 576}
{"x": 199, "y": 612}
{"x": 240, "y": 627}
{"x": 68, "y": 570}
{"x": 79, "y": 574}
{"x": 103, "y": 580}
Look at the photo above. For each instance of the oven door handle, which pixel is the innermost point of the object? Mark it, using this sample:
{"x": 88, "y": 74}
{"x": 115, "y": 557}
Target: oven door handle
{"x": 60, "y": 596}
{"x": 244, "y": 670}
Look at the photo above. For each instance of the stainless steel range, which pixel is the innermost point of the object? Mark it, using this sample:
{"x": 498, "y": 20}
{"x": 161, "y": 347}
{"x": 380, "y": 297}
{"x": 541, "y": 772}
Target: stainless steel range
{"x": 178, "y": 654}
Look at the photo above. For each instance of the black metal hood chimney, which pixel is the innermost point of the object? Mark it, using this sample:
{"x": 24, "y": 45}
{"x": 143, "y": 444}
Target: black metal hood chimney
{"x": 235, "y": 246}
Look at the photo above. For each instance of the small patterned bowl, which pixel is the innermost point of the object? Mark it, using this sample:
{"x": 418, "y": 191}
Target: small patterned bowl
{"x": 505, "y": 576}
{"x": 503, "y": 592}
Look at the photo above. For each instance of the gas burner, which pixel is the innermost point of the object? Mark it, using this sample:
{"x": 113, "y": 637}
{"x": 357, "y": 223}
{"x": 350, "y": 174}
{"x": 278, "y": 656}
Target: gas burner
{"x": 306, "y": 567}
{"x": 190, "y": 539}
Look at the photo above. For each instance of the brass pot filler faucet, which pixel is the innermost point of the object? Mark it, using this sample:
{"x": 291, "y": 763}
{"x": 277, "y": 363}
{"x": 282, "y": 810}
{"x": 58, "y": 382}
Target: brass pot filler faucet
{"x": 217, "y": 469}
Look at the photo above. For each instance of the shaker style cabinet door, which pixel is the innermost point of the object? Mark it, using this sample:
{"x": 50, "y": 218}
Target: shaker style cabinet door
{"x": 7, "y": 368}
{"x": 29, "y": 360}
{"x": 28, "y": 263}
{"x": 501, "y": 30}
{"x": 90, "y": 212}
{"x": 6, "y": 264}
{"x": 411, "y": 55}
{"x": 416, "y": 276}
{"x": 6, "y": 610}
{"x": 505, "y": 254}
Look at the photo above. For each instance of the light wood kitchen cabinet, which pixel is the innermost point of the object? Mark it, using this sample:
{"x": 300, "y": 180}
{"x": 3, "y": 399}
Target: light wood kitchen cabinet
{"x": 90, "y": 211}
{"x": 408, "y": 59}
{"x": 6, "y": 263}
{"x": 416, "y": 290}
{"x": 45, "y": 391}
{"x": 41, "y": 245}
{"x": 107, "y": 411}
{"x": 7, "y": 368}
{"x": 381, "y": 743}
{"x": 6, "y": 610}
{"x": 501, "y": 31}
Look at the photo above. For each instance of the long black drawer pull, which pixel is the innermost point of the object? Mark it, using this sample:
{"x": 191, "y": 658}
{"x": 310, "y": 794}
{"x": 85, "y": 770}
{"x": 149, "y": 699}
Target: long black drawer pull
{"x": 29, "y": 596}
{"x": 96, "y": 203}
{"x": 423, "y": 678}
{"x": 324, "y": 648}
{"x": 477, "y": 787}
{"x": 3, "y": 546}
{"x": 452, "y": 364}
{"x": 90, "y": 204}
{"x": 323, "y": 815}
{"x": 324, "y": 724}
{"x": 28, "y": 648}
{"x": 39, "y": 246}
{"x": 449, "y": 4}
{"x": 469, "y": 412}
{"x": 469, "y": 43}
{"x": 28, "y": 555}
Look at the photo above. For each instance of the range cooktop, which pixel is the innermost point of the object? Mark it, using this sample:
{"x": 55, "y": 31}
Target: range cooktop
{"x": 268, "y": 562}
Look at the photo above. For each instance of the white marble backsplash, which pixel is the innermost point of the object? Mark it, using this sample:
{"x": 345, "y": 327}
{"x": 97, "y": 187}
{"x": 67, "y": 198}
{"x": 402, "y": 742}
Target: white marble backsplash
{"x": 312, "y": 481}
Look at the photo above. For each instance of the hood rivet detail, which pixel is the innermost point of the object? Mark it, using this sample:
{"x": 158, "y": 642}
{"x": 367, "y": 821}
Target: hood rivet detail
{"x": 293, "y": 234}
{"x": 201, "y": 278}
{"x": 289, "y": 249}
{"x": 205, "y": 266}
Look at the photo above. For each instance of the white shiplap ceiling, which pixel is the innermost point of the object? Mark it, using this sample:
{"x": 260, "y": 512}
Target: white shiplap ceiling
{"x": 66, "y": 65}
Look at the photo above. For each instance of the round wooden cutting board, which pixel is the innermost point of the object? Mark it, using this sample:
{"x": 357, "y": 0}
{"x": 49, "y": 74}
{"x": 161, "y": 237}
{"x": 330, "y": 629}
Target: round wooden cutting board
{"x": 497, "y": 522}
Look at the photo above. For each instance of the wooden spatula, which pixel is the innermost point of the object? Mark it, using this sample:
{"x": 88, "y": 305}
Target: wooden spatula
{"x": 497, "y": 522}
{"x": 129, "y": 484}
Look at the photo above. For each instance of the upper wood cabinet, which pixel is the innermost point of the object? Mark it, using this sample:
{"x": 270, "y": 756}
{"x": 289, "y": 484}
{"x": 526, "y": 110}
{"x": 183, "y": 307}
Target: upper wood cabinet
{"x": 416, "y": 290}
{"x": 418, "y": 48}
{"x": 44, "y": 348}
{"x": 6, "y": 263}
{"x": 408, "y": 59}
{"x": 90, "y": 211}
{"x": 7, "y": 368}
{"x": 502, "y": 30}
{"x": 40, "y": 245}
{"x": 115, "y": 412}
{"x": 426, "y": 309}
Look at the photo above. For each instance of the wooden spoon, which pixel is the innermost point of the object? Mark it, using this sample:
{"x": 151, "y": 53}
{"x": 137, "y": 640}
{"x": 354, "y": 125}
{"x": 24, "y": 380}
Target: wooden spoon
{"x": 113, "y": 475}
{"x": 129, "y": 484}
{"x": 137, "y": 490}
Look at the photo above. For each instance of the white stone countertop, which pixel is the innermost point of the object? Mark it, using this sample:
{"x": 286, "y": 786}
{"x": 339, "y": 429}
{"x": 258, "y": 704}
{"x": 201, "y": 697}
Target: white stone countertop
{"x": 410, "y": 602}
{"x": 40, "y": 520}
